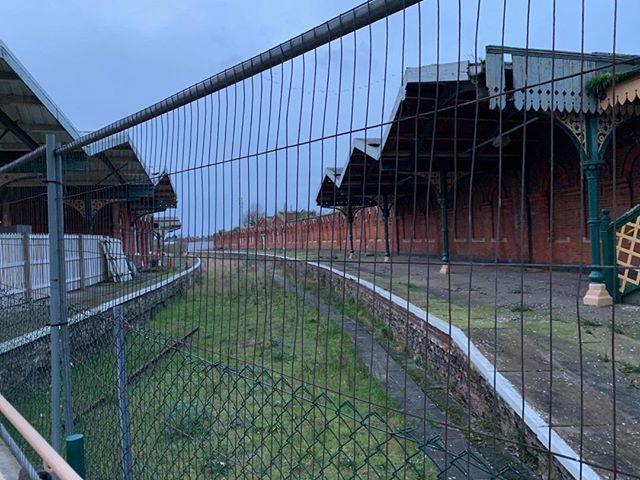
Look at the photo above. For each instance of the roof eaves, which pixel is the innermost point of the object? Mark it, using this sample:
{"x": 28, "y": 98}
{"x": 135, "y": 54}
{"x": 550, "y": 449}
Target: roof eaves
{"x": 37, "y": 90}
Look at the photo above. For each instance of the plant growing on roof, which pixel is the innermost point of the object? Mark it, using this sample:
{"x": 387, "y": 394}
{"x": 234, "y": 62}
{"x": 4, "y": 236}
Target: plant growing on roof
{"x": 600, "y": 82}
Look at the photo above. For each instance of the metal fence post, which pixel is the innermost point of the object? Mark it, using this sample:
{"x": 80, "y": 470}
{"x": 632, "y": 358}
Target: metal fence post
{"x": 81, "y": 266}
{"x": 123, "y": 395}
{"x": 26, "y": 256}
{"x": 60, "y": 347}
{"x": 75, "y": 453}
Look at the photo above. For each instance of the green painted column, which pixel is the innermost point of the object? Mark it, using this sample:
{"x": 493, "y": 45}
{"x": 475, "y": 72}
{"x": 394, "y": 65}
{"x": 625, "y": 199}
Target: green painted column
{"x": 350, "y": 226}
{"x": 75, "y": 453}
{"x": 607, "y": 236}
{"x": 385, "y": 216}
{"x": 88, "y": 217}
{"x": 593, "y": 164}
{"x": 442, "y": 200}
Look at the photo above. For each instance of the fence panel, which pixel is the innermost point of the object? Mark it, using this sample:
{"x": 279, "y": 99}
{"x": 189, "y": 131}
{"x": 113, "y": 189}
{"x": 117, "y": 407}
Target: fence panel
{"x": 12, "y": 263}
{"x": 85, "y": 249}
{"x": 394, "y": 266}
{"x": 39, "y": 248}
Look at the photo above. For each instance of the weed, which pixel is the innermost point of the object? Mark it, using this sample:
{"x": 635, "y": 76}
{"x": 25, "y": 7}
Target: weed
{"x": 278, "y": 350}
{"x": 617, "y": 329}
{"x": 216, "y": 467}
{"x": 521, "y": 308}
{"x": 412, "y": 286}
{"x": 186, "y": 419}
{"x": 628, "y": 368}
{"x": 589, "y": 322}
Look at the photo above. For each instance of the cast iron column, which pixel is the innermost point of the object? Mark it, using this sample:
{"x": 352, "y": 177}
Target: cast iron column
{"x": 88, "y": 217}
{"x": 593, "y": 164}
{"x": 350, "y": 232}
{"x": 442, "y": 200}
{"x": 385, "y": 217}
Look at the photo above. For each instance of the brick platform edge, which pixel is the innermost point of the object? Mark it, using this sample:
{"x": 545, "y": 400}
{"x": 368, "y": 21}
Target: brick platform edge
{"x": 24, "y": 359}
{"x": 443, "y": 347}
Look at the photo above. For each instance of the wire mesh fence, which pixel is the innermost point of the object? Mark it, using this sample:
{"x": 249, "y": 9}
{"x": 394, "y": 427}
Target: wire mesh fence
{"x": 401, "y": 245}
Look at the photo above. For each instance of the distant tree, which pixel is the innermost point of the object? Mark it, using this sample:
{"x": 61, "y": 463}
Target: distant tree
{"x": 253, "y": 215}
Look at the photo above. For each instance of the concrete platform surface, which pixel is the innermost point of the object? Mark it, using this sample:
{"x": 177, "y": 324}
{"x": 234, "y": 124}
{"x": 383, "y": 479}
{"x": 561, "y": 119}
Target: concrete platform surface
{"x": 9, "y": 466}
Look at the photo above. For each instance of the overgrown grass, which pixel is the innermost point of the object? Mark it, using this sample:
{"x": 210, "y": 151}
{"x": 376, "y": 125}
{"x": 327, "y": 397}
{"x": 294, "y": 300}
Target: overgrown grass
{"x": 424, "y": 375}
{"x": 521, "y": 308}
{"x": 317, "y": 411}
{"x": 267, "y": 388}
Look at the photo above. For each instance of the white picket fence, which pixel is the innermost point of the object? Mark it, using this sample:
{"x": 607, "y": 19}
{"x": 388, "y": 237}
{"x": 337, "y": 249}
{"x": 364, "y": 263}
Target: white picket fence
{"x": 24, "y": 262}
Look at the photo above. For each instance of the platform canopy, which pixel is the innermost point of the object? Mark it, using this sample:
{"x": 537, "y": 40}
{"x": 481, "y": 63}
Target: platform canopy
{"x": 356, "y": 183}
{"x": 27, "y": 113}
{"x": 109, "y": 169}
{"x": 450, "y": 117}
{"x": 622, "y": 92}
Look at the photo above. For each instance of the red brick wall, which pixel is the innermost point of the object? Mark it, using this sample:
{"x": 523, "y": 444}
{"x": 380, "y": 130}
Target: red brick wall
{"x": 525, "y": 216}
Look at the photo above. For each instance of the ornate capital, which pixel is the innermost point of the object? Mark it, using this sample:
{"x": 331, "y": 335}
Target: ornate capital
{"x": 76, "y": 204}
{"x": 100, "y": 203}
{"x": 575, "y": 123}
{"x": 96, "y": 204}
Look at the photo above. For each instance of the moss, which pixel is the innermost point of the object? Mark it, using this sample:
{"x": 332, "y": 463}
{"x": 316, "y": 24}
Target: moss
{"x": 600, "y": 82}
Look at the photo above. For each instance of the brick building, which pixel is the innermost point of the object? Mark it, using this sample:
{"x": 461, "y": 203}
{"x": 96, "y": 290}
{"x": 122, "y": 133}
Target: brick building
{"x": 511, "y": 159}
{"x": 108, "y": 190}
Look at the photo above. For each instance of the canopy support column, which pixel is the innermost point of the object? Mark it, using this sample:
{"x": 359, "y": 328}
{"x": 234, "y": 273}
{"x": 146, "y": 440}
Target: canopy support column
{"x": 385, "y": 217}
{"x": 593, "y": 164}
{"x": 88, "y": 215}
{"x": 442, "y": 200}
{"x": 350, "y": 231}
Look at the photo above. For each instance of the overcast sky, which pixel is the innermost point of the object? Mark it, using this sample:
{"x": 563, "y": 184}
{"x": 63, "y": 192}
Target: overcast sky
{"x": 102, "y": 60}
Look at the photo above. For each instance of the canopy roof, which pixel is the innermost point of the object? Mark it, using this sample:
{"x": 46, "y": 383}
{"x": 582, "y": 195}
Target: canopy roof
{"x": 449, "y": 117}
{"x": 545, "y": 80}
{"x": 356, "y": 182}
{"x": 623, "y": 92}
{"x": 166, "y": 224}
{"x": 27, "y": 114}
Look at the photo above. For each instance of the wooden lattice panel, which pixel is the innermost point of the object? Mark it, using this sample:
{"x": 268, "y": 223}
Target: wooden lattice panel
{"x": 628, "y": 254}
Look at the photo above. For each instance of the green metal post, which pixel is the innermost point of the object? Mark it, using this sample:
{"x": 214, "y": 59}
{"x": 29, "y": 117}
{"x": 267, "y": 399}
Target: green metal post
{"x": 442, "y": 200}
{"x": 385, "y": 216}
{"x": 88, "y": 217}
{"x": 607, "y": 233}
{"x": 350, "y": 225}
{"x": 593, "y": 165}
{"x": 75, "y": 453}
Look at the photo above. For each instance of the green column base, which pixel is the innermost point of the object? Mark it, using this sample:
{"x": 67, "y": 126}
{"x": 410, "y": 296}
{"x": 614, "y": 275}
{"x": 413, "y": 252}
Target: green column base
{"x": 75, "y": 453}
